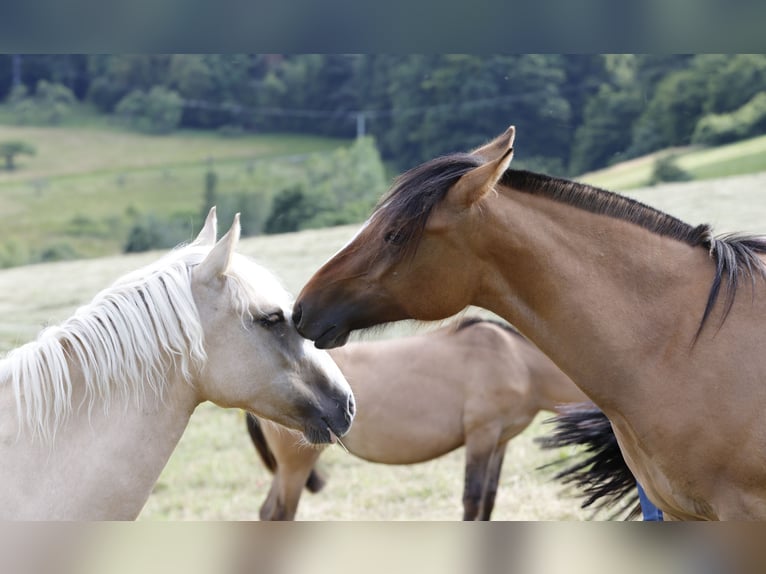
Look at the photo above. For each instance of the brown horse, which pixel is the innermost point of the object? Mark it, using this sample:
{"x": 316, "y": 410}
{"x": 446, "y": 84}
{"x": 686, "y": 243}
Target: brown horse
{"x": 660, "y": 323}
{"x": 478, "y": 383}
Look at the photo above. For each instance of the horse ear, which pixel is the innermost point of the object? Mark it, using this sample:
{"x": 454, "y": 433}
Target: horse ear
{"x": 209, "y": 230}
{"x": 217, "y": 262}
{"x": 479, "y": 181}
{"x": 497, "y": 146}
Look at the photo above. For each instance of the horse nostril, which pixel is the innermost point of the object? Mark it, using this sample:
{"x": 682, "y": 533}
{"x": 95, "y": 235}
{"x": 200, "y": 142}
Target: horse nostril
{"x": 297, "y": 314}
{"x": 350, "y": 408}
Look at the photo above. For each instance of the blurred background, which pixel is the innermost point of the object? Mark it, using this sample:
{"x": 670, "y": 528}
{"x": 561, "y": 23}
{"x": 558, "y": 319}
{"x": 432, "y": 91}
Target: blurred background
{"x": 102, "y": 154}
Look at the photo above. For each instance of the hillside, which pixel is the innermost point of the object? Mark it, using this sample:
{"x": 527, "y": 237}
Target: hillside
{"x": 747, "y": 156}
{"x": 84, "y": 186}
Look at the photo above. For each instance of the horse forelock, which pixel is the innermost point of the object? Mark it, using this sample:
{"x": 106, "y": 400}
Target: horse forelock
{"x": 123, "y": 342}
{"x": 404, "y": 210}
{"x": 254, "y": 290}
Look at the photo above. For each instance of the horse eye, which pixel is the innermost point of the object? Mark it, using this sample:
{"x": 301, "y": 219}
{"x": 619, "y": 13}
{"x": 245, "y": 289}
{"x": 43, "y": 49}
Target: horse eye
{"x": 393, "y": 237}
{"x": 271, "y": 319}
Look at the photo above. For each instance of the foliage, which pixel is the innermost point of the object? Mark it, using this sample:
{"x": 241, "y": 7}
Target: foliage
{"x": 602, "y": 137}
{"x": 157, "y": 111}
{"x": 10, "y": 149}
{"x": 747, "y": 121}
{"x": 576, "y": 111}
{"x": 666, "y": 170}
{"x": 49, "y": 104}
{"x": 337, "y": 188}
{"x": 152, "y": 231}
{"x": 291, "y": 209}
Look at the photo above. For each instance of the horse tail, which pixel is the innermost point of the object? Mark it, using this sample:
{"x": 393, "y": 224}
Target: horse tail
{"x": 600, "y": 472}
{"x": 259, "y": 442}
{"x": 314, "y": 483}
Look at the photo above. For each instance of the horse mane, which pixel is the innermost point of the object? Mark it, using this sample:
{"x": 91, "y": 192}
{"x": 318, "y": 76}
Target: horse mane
{"x": 415, "y": 193}
{"x": 124, "y": 342}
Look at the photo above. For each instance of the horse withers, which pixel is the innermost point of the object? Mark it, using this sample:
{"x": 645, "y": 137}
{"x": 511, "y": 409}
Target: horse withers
{"x": 91, "y": 411}
{"x": 660, "y": 323}
{"x": 476, "y": 383}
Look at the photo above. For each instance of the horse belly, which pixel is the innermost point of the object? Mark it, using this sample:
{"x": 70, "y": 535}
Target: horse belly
{"x": 406, "y": 440}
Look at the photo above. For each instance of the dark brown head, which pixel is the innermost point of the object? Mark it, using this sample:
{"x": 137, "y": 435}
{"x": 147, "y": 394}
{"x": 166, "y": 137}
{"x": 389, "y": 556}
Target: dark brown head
{"x": 411, "y": 259}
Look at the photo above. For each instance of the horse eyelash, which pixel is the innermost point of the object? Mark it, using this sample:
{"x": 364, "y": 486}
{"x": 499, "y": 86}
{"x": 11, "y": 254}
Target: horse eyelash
{"x": 271, "y": 319}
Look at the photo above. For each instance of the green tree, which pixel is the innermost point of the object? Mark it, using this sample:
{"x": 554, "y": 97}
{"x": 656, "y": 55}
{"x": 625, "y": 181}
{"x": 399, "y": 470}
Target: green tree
{"x": 48, "y": 105}
{"x": 603, "y": 138}
{"x": 291, "y": 208}
{"x": 158, "y": 111}
{"x": 666, "y": 169}
{"x": 10, "y": 149}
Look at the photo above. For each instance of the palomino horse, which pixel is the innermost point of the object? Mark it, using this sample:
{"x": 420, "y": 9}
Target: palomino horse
{"x": 91, "y": 411}
{"x": 645, "y": 313}
{"x": 478, "y": 383}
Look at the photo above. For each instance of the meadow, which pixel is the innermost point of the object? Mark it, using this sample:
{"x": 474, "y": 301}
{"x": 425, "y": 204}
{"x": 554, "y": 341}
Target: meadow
{"x": 215, "y": 474}
{"x": 84, "y": 186}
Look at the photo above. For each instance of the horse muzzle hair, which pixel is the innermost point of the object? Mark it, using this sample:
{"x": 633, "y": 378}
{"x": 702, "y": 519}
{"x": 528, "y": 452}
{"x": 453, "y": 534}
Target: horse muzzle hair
{"x": 330, "y": 420}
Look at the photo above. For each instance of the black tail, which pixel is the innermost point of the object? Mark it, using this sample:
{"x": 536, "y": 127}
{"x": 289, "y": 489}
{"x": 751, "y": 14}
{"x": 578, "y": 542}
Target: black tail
{"x": 603, "y": 477}
{"x": 314, "y": 483}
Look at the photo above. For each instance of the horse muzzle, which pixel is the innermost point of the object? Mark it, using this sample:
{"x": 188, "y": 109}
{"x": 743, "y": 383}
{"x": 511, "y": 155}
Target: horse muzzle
{"x": 331, "y": 423}
{"x": 325, "y": 333}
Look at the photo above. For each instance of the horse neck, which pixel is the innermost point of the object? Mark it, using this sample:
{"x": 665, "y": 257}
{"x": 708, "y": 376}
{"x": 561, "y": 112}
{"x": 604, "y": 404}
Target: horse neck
{"x": 99, "y": 465}
{"x": 551, "y": 385}
{"x": 591, "y": 291}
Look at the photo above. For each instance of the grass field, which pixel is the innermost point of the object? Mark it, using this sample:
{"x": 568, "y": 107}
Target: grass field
{"x": 748, "y": 156}
{"x": 215, "y": 475}
{"x": 83, "y": 184}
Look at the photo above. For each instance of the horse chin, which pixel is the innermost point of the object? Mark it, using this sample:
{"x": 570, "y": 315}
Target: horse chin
{"x": 333, "y": 337}
{"x": 319, "y": 435}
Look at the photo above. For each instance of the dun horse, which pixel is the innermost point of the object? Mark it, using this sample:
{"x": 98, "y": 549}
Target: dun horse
{"x": 659, "y": 322}
{"x": 478, "y": 383}
{"x": 91, "y": 411}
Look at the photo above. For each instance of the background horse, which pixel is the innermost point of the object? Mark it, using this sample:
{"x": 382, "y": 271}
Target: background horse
{"x": 91, "y": 411}
{"x": 644, "y": 312}
{"x": 477, "y": 383}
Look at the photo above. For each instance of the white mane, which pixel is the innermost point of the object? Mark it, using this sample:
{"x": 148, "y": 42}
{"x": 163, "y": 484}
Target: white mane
{"x": 123, "y": 342}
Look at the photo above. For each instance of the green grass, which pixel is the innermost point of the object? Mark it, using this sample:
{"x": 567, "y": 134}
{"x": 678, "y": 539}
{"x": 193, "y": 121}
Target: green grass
{"x": 748, "y": 156}
{"x": 83, "y": 185}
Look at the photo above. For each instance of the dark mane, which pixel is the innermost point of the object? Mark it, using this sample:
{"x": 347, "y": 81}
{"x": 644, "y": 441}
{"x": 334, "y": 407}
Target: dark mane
{"x": 405, "y": 210}
{"x": 605, "y": 202}
{"x": 415, "y": 193}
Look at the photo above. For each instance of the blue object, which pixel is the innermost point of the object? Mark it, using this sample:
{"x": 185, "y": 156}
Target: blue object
{"x": 648, "y": 509}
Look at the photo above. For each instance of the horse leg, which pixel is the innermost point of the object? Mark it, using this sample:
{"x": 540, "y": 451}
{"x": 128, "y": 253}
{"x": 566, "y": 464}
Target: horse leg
{"x": 479, "y": 446}
{"x": 289, "y": 481}
{"x": 493, "y": 478}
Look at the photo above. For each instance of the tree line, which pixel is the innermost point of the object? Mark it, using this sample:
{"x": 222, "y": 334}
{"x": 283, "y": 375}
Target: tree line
{"x": 575, "y": 112}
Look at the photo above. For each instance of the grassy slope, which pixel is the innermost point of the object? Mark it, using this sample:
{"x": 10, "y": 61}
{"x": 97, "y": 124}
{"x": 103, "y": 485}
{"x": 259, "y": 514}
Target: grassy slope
{"x": 743, "y": 157}
{"x": 97, "y": 175}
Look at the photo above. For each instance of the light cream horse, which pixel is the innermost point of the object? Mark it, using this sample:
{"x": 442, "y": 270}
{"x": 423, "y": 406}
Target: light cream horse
{"x": 91, "y": 411}
{"x": 660, "y": 323}
{"x": 477, "y": 383}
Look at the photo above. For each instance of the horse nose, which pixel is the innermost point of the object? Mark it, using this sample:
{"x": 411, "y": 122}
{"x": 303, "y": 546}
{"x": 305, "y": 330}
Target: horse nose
{"x": 350, "y": 409}
{"x": 297, "y": 314}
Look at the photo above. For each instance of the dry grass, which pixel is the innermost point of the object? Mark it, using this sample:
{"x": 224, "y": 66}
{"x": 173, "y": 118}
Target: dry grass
{"x": 214, "y": 473}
